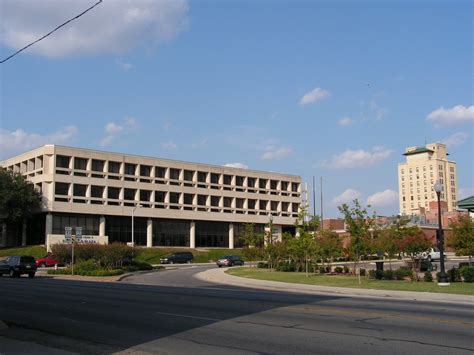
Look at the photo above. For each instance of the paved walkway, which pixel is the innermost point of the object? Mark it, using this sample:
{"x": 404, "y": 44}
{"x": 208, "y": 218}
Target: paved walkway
{"x": 219, "y": 276}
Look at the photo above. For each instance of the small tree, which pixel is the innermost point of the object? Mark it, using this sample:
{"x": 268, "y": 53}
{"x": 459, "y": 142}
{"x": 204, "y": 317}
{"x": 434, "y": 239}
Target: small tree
{"x": 462, "y": 240}
{"x": 330, "y": 245}
{"x": 413, "y": 243}
{"x": 359, "y": 225}
{"x": 386, "y": 241}
{"x": 253, "y": 242}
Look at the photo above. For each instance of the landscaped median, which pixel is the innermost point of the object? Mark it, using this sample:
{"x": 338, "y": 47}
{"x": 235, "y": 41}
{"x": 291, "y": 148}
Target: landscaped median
{"x": 351, "y": 281}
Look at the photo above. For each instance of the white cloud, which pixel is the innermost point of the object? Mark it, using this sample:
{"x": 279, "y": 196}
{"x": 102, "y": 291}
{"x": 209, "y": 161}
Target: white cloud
{"x": 313, "y": 96}
{"x": 113, "y": 130}
{"x": 456, "y": 139}
{"x": 236, "y": 165}
{"x": 19, "y": 141}
{"x": 123, "y": 65}
{"x": 357, "y": 158}
{"x": 448, "y": 117}
{"x": 274, "y": 152}
{"x": 379, "y": 112}
{"x": 465, "y": 192}
{"x": 347, "y": 196}
{"x": 345, "y": 121}
{"x": 200, "y": 144}
{"x": 384, "y": 198}
{"x": 170, "y": 145}
{"x": 111, "y": 27}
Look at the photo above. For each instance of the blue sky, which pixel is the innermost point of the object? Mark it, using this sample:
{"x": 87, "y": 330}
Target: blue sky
{"x": 314, "y": 88}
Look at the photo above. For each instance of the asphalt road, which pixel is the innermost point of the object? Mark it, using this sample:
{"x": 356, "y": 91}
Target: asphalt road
{"x": 171, "y": 312}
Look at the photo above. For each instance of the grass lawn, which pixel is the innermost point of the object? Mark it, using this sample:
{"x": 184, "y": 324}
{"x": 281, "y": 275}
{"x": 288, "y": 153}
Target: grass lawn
{"x": 37, "y": 251}
{"x": 462, "y": 288}
{"x": 153, "y": 255}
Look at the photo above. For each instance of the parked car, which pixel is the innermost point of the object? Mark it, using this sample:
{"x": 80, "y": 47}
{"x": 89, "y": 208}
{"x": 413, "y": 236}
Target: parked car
{"x": 175, "y": 258}
{"x": 230, "y": 260}
{"x": 432, "y": 254}
{"x": 47, "y": 261}
{"x": 16, "y": 266}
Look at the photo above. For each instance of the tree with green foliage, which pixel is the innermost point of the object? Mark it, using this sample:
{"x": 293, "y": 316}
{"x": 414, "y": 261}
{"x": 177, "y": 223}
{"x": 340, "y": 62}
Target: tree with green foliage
{"x": 253, "y": 243}
{"x": 330, "y": 245}
{"x": 386, "y": 240}
{"x": 18, "y": 198}
{"x": 359, "y": 225}
{"x": 462, "y": 240}
{"x": 413, "y": 243}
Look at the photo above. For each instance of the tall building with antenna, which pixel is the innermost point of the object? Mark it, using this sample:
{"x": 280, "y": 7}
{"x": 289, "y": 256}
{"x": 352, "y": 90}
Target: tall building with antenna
{"x": 418, "y": 174}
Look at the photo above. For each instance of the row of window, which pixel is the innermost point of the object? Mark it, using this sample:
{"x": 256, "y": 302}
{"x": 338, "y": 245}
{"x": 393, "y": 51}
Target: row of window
{"x": 148, "y": 173}
{"x": 431, "y": 167}
{"x": 78, "y": 193}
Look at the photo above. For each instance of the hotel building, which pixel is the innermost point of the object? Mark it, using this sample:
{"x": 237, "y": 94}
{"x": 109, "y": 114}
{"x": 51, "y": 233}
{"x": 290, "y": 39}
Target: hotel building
{"x": 417, "y": 176}
{"x": 174, "y": 203}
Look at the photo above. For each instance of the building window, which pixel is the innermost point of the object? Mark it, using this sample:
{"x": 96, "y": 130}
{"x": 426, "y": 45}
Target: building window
{"x": 159, "y": 196}
{"x": 202, "y": 200}
{"x": 215, "y": 201}
{"x": 188, "y": 199}
{"x": 174, "y": 197}
{"x": 251, "y": 182}
{"x": 129, "y": 194}
{"x": 145, "y": 195}
{"x": 251, "y": 203}
{"x": 97, "y": 191}
{"x": 62, "y": 161}
{"x": 114, "y": 167}
{"x": 113, "y": 193}
{"x": 160, "y": 172}
{"x": 97, "y": 165}
{"x": 130, "y": 168}
{"x": 262, "y": 183}
{"x": 61, "y": 188}
{"x": 79, "y": 190}
{"x": 174, "y": 174}
{"x": 80, "y": 163}
{"x": 145, "y": 170}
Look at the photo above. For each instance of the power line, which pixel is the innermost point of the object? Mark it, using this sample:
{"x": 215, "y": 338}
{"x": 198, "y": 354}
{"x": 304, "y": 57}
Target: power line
{"x": 49, "y": 33}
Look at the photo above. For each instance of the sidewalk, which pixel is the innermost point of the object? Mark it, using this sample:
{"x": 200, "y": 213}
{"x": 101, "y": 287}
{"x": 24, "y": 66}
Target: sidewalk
{"x": 220, "y": 277}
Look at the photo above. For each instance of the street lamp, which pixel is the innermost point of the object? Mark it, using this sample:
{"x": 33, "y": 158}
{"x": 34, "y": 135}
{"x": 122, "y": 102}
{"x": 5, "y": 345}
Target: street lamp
{"x": 443, "y": 280}
{"x": 133, "y": 229}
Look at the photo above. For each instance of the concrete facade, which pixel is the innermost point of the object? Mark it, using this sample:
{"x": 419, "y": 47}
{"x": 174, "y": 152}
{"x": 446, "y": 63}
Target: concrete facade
{"x": 82, "y": 182}
{"x": 417, "y": 176}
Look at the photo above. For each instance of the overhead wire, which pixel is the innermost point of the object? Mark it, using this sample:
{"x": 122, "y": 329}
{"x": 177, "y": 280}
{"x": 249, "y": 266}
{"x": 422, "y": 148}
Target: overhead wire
{"x": 49, "y": 33}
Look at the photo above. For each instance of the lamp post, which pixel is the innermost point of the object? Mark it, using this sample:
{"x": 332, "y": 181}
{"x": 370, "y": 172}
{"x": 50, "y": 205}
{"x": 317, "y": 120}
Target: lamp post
{"x": 443, "y": 280}
{"x": 133, "y": 229}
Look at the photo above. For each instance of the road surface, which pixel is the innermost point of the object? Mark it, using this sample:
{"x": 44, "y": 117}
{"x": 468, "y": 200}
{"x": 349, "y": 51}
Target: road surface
{"x": 171, "y": 312}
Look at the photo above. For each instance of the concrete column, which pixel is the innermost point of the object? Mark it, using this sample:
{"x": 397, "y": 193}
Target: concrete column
{"x": 231, "y": 236}
{"x": 49, "y": 225}
{"x": 102, "y": 226}
{"x": 3, "y": 241}
{"x": 149, "y": 233}
{"x": 192, "y": 235}
{"x": 23, "y": 233}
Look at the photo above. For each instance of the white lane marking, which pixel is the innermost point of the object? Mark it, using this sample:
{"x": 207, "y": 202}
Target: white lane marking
{"x": 186, "y": 316}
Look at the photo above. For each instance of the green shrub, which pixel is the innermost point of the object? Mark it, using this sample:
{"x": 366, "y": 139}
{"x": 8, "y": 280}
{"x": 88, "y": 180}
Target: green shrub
{"x": 401, "y": 273}
{"x": 346, "y": 269}
{"x": 454, "y": 275}
{"x": 286, "y": 267}
{"x": 388, "y": 275}
{"x": 428, "y": 277}
{"x": 371, "y": 274}
{"x": 362, "y": 272}
{"x": 262, "y": 265}
{"x": 322, "y": 270}
{"x": 338, "y": 269}
{"x": 467, "y": 273}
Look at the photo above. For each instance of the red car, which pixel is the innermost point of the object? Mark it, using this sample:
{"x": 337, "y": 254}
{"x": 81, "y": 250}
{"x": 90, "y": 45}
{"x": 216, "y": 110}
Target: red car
{"x": 47, "y": 261}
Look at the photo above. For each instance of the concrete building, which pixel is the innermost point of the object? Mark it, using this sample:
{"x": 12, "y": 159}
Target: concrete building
{"x": 174, "y": 203}
{"x": 417, "y": 176}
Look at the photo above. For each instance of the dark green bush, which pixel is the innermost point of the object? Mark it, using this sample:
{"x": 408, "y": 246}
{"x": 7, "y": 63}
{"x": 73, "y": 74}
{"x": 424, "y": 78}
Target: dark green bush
{"x": 467, "y": 273}
{"x": 428, "y": 277}
{"x": 454, "y": 275}
{"x": 346, "y": 270}
{"x": 322, "y": 270}
{"x": 388, "y": 275}
{"x": 371, "y": 274}
{"x": 362, "y": 272}
{"x": 378, "y": 274}
{"x": 262, "y": 265}
{"x": 286, "y": 267}
{"x": 338, "y": 269}
{"x": 401, "y": 273}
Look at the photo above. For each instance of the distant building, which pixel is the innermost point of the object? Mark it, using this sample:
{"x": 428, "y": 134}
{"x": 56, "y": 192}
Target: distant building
{"x": 417, "y": 176}
{"x": 174, "y": 203}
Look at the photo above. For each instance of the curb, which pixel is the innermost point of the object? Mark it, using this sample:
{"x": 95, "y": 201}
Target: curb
{"x": 220, "y": 277}
{"x": 124, "y": 276}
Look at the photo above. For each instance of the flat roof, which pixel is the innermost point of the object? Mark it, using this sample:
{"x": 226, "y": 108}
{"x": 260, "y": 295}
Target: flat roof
{"x": 150, "y": 157}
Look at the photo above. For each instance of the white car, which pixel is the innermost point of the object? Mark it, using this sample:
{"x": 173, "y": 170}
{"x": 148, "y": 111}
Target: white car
{"x": 432, "y": 254}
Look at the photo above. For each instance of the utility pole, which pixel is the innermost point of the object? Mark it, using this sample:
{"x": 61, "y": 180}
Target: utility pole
{"x": 322, "y": 218}
{"x": 314, "y": 206}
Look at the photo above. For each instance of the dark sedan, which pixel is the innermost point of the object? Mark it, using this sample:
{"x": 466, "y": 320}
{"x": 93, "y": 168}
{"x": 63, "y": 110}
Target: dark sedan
{"x": 16, "y": 266}
{"x": 230, "y": 260}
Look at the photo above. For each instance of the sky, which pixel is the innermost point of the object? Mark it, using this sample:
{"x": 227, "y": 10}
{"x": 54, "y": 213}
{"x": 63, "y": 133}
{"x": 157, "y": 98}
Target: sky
{"x": 331, "y": 89}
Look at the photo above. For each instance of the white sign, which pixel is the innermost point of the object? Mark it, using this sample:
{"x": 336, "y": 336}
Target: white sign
{"x": 67, "y": 235}
{"x": 78, "y": 234}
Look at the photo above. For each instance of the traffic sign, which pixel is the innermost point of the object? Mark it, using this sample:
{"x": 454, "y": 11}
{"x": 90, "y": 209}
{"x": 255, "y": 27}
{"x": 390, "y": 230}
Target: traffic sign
{"x": 68, "y": 234}
{"x": 78, "y": 234}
